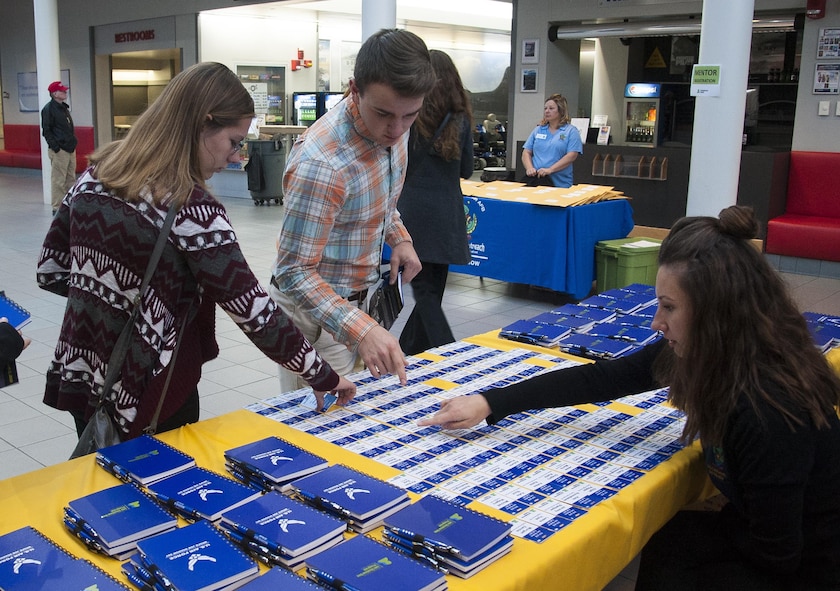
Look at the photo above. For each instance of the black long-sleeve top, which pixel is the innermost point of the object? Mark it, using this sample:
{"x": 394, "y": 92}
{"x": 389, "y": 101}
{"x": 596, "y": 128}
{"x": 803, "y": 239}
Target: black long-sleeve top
{"x": 597, "y": 382}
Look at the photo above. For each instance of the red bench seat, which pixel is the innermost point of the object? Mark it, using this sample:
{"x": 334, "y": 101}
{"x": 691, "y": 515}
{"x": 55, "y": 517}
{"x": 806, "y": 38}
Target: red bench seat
{"x": 22, "y": 146}
{"x": 810, "y": 226}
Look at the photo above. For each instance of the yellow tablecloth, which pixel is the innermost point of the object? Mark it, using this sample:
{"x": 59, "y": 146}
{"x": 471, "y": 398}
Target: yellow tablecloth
{"x": 584, "y": 556}
{"x": 833, "y": 358}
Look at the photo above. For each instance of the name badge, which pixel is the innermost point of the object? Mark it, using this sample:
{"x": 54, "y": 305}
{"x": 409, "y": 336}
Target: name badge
{"x": 541, "y": 136}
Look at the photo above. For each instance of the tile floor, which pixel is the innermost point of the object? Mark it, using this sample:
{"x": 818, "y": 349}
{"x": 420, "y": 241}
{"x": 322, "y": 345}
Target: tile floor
{"x": 33, "y": 435}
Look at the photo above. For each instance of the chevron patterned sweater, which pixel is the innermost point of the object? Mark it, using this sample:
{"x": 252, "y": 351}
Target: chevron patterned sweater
{"x": 95, "y": 253}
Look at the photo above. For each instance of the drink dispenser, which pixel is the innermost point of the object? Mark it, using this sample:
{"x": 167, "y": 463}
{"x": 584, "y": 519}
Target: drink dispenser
{"x": 641, "y": 110}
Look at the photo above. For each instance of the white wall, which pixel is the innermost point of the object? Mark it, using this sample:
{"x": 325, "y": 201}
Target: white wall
{"x": 608, "y": 83}
{"x": 261, "y": 42}
{"x": 811, "y": 131}
{"x": 17, "y": 55}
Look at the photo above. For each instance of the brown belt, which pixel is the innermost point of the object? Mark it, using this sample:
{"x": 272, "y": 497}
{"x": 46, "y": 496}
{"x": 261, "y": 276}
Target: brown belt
{"x": 356, "y": 296}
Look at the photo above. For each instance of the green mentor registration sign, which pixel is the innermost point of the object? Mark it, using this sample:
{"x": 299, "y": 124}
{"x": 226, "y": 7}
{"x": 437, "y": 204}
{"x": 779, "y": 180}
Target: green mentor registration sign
{"x": 705, "y": 80}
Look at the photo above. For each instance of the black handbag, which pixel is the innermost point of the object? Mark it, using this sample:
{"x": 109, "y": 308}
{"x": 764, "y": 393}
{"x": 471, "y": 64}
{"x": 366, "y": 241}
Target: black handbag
{"x": 386, "y": 302}
{"x": 101, "y": 430}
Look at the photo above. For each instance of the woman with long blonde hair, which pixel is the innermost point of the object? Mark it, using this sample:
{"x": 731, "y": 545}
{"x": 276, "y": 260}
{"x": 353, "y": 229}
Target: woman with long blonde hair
{"x": 99, "y": 244}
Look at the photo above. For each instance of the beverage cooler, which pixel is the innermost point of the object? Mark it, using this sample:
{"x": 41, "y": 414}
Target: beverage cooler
{"x": 641, "y": 114}
{"x": 309, "y": 106}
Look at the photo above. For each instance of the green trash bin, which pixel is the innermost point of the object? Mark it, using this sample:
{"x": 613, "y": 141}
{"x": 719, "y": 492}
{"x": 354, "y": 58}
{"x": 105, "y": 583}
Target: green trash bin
{"x": 266, "y": 161}
{"x": 626, "y": 260}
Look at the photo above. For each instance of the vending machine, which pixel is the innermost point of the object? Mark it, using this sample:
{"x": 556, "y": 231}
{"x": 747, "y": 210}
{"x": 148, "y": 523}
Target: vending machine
{"x": 309, "y": 106}
{"x": 641, "y": 110}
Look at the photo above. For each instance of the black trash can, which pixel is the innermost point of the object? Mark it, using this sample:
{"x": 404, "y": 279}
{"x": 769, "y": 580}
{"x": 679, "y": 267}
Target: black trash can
{"x": 266, "y": 161}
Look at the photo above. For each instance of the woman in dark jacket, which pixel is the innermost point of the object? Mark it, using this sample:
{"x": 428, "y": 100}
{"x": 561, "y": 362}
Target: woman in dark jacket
{"x": 431, "y": 203}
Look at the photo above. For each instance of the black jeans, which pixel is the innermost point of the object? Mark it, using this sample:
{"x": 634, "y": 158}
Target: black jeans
{"x": 188, "y": 413}
{"x": 427, "y": 326}
{"x": 692, "y": 553}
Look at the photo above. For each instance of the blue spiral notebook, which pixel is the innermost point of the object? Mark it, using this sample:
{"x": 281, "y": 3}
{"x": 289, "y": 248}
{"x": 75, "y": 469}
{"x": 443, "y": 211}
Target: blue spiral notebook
{"x": 30, "y": 561}
{"x": 576, "y": 323}
{"x": 367, "y": 565}
{"x": 589, "y": 312}
{"x": 28, "y": 555}
{"x": 446, "y": 561}
{"x": 79, "y": 574}
{"x": 16, "y": 314}
{"x": 465, "y": 533}
{"x": 196, "y": 557}
{"x": 288, "y": 527}
{"x": 360, "y": 499}
{"x": 276, "y": 460}
{"x": 635, "y": 334}
{"x": 534, "y": 333}
{"x": 144, "y": 460}
{"x": 596, "y": 347}
{"x": 117, "y": 517}
{"x": 280, "y": 579}
{"x": 198, "y": 493}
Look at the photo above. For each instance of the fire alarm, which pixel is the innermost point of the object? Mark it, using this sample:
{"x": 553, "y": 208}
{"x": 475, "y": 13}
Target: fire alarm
{"x": 815, "y": 9}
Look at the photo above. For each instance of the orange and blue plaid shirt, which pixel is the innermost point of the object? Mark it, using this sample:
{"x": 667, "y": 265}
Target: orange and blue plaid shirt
{"x": 340, "y": 192}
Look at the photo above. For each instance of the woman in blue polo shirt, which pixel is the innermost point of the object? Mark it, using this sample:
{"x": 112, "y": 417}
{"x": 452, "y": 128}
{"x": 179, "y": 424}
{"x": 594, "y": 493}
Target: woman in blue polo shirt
{"x": 552, "y": 147}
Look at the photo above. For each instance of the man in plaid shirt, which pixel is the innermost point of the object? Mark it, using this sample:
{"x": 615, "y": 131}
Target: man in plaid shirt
{"x": 342, "y": 181}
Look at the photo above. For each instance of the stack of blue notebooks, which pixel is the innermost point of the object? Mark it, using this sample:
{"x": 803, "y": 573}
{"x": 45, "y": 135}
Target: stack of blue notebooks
{"x": 612, "y": 324}
{"x": 575, "y": 323}
{"x": 363, "y": 564}
{"x": 143, "y": 460}
{"x": 585, "y": 345}
{"x": 591, "y": 313}
{"x": 279, "y": 530}
{"x": 198, "y": 493}
{"x": 357, "y": 498}
{"x": 196, "y": 557}
{"x": 280, "y": 579}
{"x": 113, "y": 520}
{"x": 447, "y": 536}
{"x": 824, "y": 329}
{"x": 638, "y": 335}
{"x": 625, "y": 300}
{"x": 271, "y": 463}
{"x": 533, "y": 332}
{"x": 31, "y": 561}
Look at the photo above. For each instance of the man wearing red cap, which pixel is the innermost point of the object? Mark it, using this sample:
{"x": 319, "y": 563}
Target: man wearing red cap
{"x": 58, "y": 131}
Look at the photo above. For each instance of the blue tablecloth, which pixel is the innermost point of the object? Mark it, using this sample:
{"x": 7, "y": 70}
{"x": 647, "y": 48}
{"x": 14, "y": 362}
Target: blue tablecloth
{"x": 542, "y": 245}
